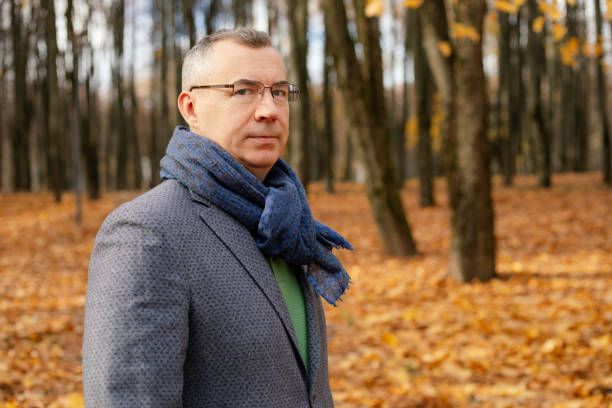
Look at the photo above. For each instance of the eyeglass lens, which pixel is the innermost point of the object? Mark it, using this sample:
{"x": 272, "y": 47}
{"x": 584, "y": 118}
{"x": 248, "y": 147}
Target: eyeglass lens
{"x": 280, "y": 92}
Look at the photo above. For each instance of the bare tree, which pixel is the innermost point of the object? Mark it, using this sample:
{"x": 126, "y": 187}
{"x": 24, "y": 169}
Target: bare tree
{"x": 328, "y": 130}
{"x": 423, "y": 96}
{"x": 52, "y": 105}
{"x": 117, "y": 16}
{"x": 210, "y": 14}
{"x": 301, "y": 124}
{"x": 504, "y": 104}
{"x": 272, "y": 8}
{"x": 362, "y": 89}
{"x": 90, "y": 132}
{"x": 19, "y": 128}
{"x": 536, "y": 117}
{"x": 602, "y": 102}
{"x": 134, "y": 147}
{"x": 459, "y": 76}
{"x": 242, "y": 11}
{"x": 177, "y": 54}
{"x": 6, "y": 148}
{"x": 189, "y": 19}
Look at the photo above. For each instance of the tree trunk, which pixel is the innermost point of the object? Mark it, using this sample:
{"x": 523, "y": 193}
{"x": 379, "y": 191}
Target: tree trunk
{"x": 76, "y": 107}
{"x": 272, "y": 9}
{"x": 160, "y": 128}
{"x": 536, "y": 63}
{"x": 19, "y": 126}
{"x": 177, "y": 54}
{"x": 120, "y": 125}
{"x": 301, "y": 117}
{"x": 570, "y": 98}
{"x": 423, "y": 95}
{"x": 602, "y": 103}
{"x": 504, "y": 99}
{"x": 210, "y": 14}
{"x": 461, "y": 82}
{"x": 242, "y": 11}
{"x": 6, "y": 147}
{"x": 90, "y": 145}
{"x": 361, "y": 85}
{"x": 581, "y": 92}
{"x": 409, "y": 17}
{"x": 516, "y": 93}
{"x": 397, "y": 139}
{"x": 135, "y": 151}
{"x": 189, "y": 19}
{"x": 328, "y": 119}
{"x": 53, "y": 119}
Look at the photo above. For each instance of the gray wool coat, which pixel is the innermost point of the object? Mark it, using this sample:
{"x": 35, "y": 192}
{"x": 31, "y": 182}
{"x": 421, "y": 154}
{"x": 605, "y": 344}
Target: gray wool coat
{"x": 182, "y": 310}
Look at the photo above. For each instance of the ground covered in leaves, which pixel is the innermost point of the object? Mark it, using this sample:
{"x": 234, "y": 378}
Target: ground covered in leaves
{"x": 406, "y": 335}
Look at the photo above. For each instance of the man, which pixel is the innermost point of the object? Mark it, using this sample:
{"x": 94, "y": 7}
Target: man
{"x": 204, "y": 291}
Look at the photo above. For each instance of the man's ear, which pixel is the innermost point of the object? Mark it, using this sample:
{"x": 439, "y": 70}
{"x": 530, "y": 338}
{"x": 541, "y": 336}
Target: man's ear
{"x": 186, "y": 106}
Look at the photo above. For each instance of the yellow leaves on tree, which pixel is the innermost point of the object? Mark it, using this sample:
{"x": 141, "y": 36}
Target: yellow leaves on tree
{"x": 558, "y": 31}
{"x": 569, "y": 52}
{"x": 519, "y": 3}
{"x": 411, "y": 127}
{"x": 592, "y": 50}
{"x": 374, "y": 8}
{"x": 445, "y": 48}
{"x": 506, "y": 6}
{"x": 538, "y": 24}
{"x": 550, "y": 10}
{"x": 608, "y": 14}
{"x": 509, "y": 6}
{"x": 411, "y": 132}
{"x": 464, "y": 31}
{"x": 413, "y": 4}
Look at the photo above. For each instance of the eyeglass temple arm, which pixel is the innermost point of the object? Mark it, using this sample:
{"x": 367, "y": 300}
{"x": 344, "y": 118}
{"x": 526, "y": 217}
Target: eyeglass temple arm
{"x": 211, "y": 86}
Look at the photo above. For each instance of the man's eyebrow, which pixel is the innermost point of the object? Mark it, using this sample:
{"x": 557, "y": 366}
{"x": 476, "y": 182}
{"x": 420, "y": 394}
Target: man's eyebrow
{"x": 252, "y": 80}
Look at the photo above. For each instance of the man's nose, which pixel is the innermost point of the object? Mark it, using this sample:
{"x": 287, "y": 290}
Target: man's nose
{"x": 266, "y": 107}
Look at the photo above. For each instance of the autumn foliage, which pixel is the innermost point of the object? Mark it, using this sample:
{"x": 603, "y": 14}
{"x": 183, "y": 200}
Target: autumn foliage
{"x": 405, "y": 335}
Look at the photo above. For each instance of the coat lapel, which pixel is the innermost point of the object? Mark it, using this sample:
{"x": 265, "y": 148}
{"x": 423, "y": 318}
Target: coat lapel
{"x": 240, "y": 243}
{"x": 315, "y": 335}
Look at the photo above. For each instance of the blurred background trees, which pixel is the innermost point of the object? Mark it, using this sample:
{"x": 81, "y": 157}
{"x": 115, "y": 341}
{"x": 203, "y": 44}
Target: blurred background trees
{"x": 393, "y": 89}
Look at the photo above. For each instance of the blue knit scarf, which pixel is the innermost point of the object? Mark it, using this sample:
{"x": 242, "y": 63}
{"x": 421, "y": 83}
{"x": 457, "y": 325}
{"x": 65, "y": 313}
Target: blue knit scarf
{"x": 275, "y": 212}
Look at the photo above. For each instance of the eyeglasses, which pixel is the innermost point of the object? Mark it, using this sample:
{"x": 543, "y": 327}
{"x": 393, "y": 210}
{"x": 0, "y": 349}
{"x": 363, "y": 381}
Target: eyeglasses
{"x": 245, "y": 90}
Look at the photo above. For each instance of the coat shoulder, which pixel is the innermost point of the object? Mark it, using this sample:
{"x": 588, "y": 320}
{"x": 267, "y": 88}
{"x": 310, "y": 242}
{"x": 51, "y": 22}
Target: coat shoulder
{"x": 164, "y": 205}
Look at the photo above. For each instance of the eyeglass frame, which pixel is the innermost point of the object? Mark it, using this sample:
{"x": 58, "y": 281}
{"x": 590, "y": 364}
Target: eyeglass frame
{"x": 292, "y": 88}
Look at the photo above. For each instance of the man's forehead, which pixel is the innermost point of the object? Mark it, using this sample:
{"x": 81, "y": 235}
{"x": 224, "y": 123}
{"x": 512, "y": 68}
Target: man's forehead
{"x": 229, "y": 57}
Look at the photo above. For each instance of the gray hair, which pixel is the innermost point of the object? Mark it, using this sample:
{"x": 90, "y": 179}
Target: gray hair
{"x": 195, "y": 61}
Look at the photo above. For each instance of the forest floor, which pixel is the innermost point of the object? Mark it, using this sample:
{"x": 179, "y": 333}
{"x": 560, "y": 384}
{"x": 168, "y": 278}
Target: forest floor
{"x": 406, "y": 335}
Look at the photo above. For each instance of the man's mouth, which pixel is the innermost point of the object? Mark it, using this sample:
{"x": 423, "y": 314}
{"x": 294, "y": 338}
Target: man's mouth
{"x": 264, "y": 138}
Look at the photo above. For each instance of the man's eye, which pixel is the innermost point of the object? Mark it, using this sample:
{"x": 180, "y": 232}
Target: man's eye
{"x": 244, "y": 91}
{"x": 280, "y": 93}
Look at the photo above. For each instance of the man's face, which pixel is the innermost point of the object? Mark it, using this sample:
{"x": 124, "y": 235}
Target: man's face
{"x": 254, "y": 133}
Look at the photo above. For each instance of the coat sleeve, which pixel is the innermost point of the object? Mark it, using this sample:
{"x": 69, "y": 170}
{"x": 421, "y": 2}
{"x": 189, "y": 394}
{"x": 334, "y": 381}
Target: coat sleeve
{"x": 136, "y": 316}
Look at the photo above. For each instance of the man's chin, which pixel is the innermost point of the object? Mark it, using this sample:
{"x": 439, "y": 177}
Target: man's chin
{"x": 260, "y": 166}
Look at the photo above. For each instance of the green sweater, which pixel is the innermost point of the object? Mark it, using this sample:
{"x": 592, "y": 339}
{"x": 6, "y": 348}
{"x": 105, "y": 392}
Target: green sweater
{"x": 294, "y": 298}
